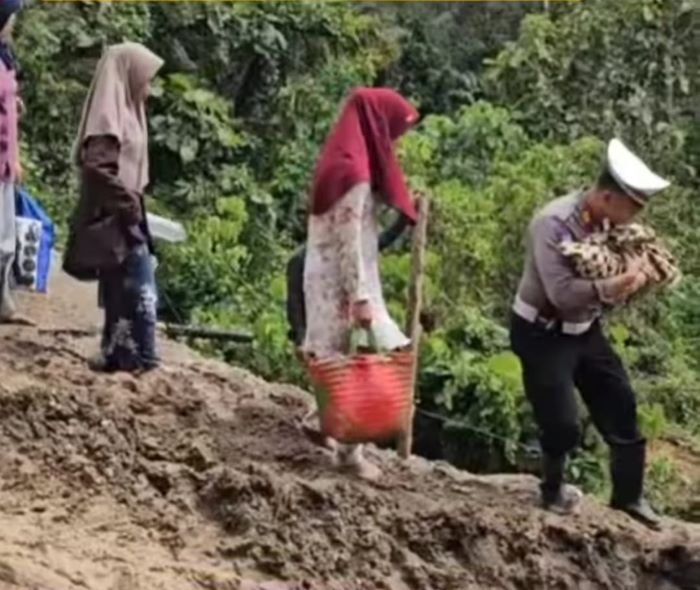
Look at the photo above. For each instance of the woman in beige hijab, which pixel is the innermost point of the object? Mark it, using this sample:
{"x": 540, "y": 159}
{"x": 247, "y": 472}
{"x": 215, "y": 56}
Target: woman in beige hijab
{"x": 109, "y": 238}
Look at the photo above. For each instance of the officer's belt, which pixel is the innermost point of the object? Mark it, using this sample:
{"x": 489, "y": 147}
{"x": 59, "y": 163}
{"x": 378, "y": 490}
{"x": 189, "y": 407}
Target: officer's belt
{"x": 532, "y": 314}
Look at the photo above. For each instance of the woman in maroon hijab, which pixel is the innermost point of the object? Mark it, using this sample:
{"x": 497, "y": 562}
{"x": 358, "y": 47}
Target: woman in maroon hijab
{"x": 356, "y": 174}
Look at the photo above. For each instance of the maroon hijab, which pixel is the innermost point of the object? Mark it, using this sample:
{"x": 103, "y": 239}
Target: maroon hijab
{"x": 360, "y": 149}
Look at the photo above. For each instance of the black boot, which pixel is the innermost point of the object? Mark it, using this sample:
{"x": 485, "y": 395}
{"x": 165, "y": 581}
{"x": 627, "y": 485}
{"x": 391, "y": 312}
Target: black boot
{"x": 627, "y": 473}
{"x": 556, "y": 496}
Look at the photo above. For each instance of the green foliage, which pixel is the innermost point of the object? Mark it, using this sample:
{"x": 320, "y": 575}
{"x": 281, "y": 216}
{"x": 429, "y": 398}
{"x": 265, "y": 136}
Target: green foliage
{"x": 213, "y": 240}
{"x": 194, "y": 134}
{"x": 443, "y": 46}
{"x": 478, "y": 225}
{"x": 664, "y": 369}
{"x": 463, "y": 147}
{"x": 652, "y": 421}
{"x": 589, "y": 470}
{"x": 468, "y": 374}
{"x": 664, "y": 483}
{"x": 601, "y": 68}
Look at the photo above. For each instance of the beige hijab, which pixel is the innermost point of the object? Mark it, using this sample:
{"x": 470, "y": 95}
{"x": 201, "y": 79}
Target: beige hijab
{"x": 115, "y": 106}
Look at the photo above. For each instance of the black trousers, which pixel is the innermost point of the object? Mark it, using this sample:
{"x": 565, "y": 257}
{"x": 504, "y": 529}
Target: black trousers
{"x": 554, "y": 364}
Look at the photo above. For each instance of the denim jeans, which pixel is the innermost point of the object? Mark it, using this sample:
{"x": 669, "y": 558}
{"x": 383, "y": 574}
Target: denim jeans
{"x": 130, "y": 299}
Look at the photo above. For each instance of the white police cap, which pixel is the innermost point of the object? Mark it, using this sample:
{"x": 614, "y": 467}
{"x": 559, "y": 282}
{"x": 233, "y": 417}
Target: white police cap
{"x": 633, "y": 175}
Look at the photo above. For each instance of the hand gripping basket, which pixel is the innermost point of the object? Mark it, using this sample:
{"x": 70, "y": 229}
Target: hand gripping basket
{"x": 364, "y": 397}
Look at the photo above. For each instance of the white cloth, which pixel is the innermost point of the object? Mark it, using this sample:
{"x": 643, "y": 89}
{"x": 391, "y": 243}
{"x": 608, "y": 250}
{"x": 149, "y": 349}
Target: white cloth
{"x": 341, "y": 268}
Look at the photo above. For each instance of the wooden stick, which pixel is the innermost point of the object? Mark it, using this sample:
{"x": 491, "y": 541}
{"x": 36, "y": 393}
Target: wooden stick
{"x": 209, "y": 333}
{"x": 413, "y": 326}
{"x": 76, "y": 332}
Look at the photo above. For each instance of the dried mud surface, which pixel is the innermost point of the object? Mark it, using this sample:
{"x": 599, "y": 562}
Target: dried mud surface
{"x": 196, "y": 477}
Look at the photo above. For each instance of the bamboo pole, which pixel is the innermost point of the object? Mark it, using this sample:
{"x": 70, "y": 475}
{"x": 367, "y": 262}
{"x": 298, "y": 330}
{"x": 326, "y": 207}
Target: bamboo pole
{"x": 413, "y": 326}
{"x": 189, "y": 331}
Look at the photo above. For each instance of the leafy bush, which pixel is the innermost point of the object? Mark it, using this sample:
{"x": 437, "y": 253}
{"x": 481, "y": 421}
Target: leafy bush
{"x": 664, "y": 483}
{"x": 574, "y": 73}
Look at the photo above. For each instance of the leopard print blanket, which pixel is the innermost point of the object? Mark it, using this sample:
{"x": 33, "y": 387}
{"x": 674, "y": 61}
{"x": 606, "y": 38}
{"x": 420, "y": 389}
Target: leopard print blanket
{"x": 602, "y": 255}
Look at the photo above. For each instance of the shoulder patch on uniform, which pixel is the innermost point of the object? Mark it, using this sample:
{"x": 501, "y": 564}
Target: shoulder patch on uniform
{"x": 562, "y": 232}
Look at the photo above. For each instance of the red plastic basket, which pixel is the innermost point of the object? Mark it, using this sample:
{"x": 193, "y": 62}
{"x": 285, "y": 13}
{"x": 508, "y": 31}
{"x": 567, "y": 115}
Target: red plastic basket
{"x": 363, "y": 397}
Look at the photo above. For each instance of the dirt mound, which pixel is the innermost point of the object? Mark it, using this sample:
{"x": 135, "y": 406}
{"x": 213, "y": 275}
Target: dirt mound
{"x": 196, "y": 477}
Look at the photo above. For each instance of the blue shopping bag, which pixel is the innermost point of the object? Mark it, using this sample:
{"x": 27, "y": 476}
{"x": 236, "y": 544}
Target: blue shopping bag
{"x": 35, "y": 241}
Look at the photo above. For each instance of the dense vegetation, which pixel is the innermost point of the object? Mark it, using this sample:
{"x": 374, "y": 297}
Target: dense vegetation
{"x": 519, "y": 99}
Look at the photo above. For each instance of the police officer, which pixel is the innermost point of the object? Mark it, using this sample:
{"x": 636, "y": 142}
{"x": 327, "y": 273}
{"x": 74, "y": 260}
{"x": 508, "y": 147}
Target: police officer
{"x": 556, "y": 332}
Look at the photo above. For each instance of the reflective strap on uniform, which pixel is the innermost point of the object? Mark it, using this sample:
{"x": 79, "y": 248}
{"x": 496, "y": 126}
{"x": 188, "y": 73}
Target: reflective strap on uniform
{"x": 525, "y": 310}
{"x": 530, "y": 314}
{"x": 576, "y": 328}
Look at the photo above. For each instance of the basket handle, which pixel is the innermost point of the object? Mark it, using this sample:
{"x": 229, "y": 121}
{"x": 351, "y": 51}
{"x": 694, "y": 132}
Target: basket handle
{"x": 358, "y": 335}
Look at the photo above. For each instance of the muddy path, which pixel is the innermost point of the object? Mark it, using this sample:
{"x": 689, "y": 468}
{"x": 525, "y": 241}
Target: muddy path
{"x": 196, "y": 477}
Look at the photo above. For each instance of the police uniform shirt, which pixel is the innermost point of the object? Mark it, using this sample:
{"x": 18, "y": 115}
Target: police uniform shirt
{"x": 549, "y": 279}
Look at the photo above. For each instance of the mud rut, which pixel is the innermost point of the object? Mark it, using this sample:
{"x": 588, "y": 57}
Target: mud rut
{"x": 196, "y": 477}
